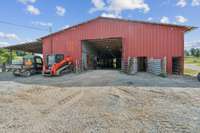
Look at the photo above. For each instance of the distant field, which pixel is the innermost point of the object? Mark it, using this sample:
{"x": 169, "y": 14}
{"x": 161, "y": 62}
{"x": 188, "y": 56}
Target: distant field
{"x": 190, "y": 72}
{"x": 192, "y": 60}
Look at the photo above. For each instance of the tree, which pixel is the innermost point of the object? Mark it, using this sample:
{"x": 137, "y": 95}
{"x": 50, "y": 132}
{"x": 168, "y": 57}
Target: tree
{"x": 5, "y": 55}
{"x": 197, "y": 54}
{"x": 187, "y": 53}
{"x": 193, "y": 51}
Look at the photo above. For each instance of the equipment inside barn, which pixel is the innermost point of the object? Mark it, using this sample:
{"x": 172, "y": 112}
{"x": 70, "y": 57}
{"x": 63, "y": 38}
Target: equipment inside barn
{"x": 176, "y": 65}
{"x": 102, "y": 54}
{"x": 57, "y": 65}
{"x": 31, "y": 65}
{"x": 142, "y": 64}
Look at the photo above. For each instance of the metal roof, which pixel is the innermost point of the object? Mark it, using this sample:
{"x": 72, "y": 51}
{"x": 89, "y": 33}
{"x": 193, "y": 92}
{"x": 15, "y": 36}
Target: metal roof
{"x": 187, "y": 28}
{"x": 36, "y": 46}
{"x": 33, "y": 47}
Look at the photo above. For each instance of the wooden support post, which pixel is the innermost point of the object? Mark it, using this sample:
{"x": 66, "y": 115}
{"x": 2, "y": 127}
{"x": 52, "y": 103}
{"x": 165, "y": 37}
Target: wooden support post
{"x": 3, "y": 67}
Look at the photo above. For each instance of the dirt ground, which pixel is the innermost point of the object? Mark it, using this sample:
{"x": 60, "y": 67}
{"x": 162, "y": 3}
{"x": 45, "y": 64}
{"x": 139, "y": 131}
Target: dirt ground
{"x": 99, "y": 101}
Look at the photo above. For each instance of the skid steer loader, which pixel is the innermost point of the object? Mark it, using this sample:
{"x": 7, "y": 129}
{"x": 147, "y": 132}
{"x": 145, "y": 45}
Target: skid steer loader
{"x": 31, "y": 64}
{"x": 57, "y": 65}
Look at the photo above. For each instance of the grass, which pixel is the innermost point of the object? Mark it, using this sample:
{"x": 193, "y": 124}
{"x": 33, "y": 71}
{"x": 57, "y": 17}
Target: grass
{"x": 190, "y": 72}
{"x": 192, "y": 60}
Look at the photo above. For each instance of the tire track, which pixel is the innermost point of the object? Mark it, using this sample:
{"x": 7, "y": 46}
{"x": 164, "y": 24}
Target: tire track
{"x": 66, "y": 102}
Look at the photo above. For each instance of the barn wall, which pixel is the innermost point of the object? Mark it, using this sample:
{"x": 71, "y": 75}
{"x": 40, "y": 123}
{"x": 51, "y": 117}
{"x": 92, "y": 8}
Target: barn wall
{"x": 139, "y": 39}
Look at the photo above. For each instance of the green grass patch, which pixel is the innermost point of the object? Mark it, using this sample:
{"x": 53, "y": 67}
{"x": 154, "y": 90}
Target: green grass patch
{"x": 192, "y": 60}
{"x": 190, "y": 72}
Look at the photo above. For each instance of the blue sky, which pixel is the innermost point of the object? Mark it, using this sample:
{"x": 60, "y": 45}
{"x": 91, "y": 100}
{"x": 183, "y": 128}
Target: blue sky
{"x": 64, "y": 13}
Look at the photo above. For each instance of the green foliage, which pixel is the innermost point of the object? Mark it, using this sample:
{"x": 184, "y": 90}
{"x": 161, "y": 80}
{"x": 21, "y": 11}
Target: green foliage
{"x": 187, "y": 53}
{"x": 198, "y": 53}
{"x": 5, "y": 55}
{"x": 195, "y": 52}
{"x": 164, "y": 75}
{"x": 190, "y": 72}
{"x": 192, "y": 60}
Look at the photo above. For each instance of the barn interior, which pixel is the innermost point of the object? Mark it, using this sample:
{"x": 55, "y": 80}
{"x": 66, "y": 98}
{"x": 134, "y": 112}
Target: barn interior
{"x": 176, "y": 65}
{"x": 102, "y": 53}
{"x": 142, "y": 64}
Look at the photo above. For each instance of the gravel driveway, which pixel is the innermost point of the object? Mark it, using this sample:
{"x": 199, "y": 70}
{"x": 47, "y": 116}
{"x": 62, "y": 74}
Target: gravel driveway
{"x": 104, "y": 78}
{"x": 99, "y": 104}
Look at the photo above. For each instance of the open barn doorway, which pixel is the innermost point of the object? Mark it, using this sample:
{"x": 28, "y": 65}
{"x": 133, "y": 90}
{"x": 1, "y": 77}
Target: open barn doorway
{"x": 102, "y": 53}
{"x": 176, "y": 65}
{"x": 142, "y": 64}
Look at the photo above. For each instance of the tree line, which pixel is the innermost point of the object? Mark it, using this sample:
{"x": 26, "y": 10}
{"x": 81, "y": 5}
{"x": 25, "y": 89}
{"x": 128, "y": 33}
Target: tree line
{"x": 193, "y": 52}
{"x": 5, "y": 55}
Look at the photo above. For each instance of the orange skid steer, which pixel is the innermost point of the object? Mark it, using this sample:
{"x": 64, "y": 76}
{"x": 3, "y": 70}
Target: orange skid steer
{"x": 57, "y": 65}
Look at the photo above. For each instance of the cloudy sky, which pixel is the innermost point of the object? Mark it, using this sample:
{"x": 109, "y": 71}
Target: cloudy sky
{"x": 25, "y": 20}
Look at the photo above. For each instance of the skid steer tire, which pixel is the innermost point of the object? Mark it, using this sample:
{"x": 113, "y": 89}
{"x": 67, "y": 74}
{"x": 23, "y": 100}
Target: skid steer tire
{"x": 27, "y": 74}
{"x": 16, "y": 72}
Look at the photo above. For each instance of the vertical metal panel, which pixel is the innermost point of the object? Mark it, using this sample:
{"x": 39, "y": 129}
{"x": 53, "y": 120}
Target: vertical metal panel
{"x": 139, "y": 39}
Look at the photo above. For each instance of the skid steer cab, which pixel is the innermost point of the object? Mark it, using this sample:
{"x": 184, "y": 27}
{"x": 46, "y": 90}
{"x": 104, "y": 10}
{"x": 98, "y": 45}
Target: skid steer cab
{"x": 31, "y": 65}
{"x": 57, "y": 65}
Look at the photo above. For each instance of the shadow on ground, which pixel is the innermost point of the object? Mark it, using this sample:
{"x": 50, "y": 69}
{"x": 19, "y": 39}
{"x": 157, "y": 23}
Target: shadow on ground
{"x": 105, "y": 78}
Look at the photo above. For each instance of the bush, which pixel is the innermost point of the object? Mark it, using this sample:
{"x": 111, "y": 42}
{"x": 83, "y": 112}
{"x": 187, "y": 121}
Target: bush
{"x": 164, "y": 75}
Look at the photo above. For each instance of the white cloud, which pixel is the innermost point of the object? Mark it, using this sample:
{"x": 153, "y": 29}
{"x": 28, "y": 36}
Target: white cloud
{"x": 149, "y": 19}
{"x": 195, "y": 2}
{"x": 98, "y": 5}
{"x": 116, "y": 7}
{"x": 27, "y": 1}
{"x": 165, "y": 2}
{"x": 181, "y": 3}
{"x": 165, "y": 19}
{"x": 110, "y": 15}
{"x": 60, "y": 10}
{"x": 8, "y": 36}
{"x": 193, "y": 44}
{"x": 181, "y": 19}
{"x": 33, "y": 10}
{"x": 40, "y": 23}
{"x": 3, "y": 44}
{"x": 119, "y": 5}
{"x": 29, "y": 7}
{"x": 65, "y": 27}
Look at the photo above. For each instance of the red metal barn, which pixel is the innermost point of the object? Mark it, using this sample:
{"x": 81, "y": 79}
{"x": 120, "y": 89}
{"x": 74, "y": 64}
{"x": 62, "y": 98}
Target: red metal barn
{"x": 109, "y": 38}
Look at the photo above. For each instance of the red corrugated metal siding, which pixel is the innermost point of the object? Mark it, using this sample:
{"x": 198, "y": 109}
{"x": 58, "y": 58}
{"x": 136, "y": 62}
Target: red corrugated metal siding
{"x": 139, "y": 39}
